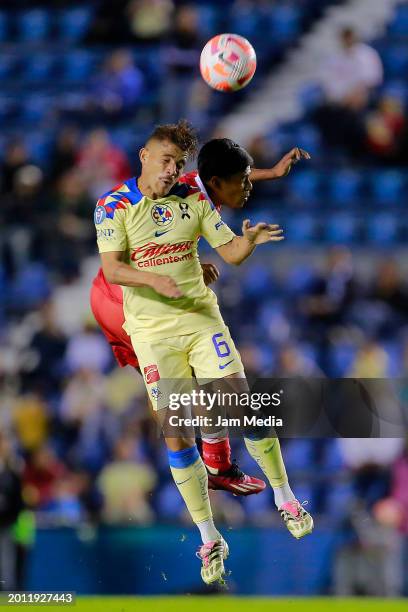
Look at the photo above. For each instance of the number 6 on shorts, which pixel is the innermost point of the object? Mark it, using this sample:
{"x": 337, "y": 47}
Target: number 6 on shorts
{"x": 222, "y": 348}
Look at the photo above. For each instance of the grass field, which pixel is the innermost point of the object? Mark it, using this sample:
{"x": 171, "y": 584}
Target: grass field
{"x": 189, "y": 603}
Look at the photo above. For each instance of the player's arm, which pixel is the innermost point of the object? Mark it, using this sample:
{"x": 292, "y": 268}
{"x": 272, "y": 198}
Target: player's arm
{"x": 240, "y": 248}
{"x": 235, "y": 249}
{"x": 119, "y": 273}
{"x": 281, "y": 169}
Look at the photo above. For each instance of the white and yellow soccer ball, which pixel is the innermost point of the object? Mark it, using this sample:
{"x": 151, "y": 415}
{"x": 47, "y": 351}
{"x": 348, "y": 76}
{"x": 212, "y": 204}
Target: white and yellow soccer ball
{"x": 228, "y": 62}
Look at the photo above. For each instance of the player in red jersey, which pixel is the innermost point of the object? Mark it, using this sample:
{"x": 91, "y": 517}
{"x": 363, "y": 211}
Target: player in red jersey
{"x": 221, "y": 188}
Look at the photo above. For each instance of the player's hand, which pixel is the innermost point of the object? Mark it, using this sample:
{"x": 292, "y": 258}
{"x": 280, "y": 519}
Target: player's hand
{"x": 284, "y": 166}
{"x": 210, "y": 273}
{"x": 165, "y": 285}
{"x": 261, "y": 232}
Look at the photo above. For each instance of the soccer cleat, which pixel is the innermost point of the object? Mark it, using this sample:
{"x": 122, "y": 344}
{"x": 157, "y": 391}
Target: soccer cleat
{"x": 212, "y": 556}
{"x": 236, "y": 482}
{"x": 297, "y": 520}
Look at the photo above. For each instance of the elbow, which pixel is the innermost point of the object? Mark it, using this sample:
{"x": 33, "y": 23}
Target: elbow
{"x": 109, "y": 274}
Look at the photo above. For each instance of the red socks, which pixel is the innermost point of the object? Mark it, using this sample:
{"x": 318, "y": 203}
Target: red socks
{"x": 216, "y": 454}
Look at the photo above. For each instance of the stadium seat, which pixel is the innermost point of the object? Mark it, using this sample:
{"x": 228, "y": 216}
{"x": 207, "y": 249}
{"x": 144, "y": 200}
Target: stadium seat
{"x": 382, "y": 229}
{"x": 298, "y": 453}
{"x": 344, "y": 187}
{"x": 342, "y": 357}
{"x": 300, "y": 228}
{"x": 39, "y": 67}
{"x": 77, "y": 66}
{"x": 387, "y": 187}
{"x": 304, "y": 187}
{"x": 39, "y": 145}
{"x": 341, "y": 228}
{"x": 308, "y": 137}
{"x": 284, "y": 23}
{"x": 339, "y": 499}
{"x": 4, "y": 26}
{"x": 34, "y": 25}
{"x": 73, "y": 23}
{"x": 36, "y": 107}
{"x": 395, "y": 59}
{"x": 399, "y": 25}
{"x": 9, "y": 63}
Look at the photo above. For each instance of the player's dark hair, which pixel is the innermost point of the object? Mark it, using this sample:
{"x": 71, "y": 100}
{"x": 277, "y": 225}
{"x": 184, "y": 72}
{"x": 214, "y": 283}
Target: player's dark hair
{"x": 222, "y": 157}
{"x": 182, "y": 134}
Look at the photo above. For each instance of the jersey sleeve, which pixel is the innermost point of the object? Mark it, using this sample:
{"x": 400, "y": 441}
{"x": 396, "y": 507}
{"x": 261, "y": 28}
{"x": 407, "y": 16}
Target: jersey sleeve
{"x": 213, "y": 228}
{"x": 110, "y": 229}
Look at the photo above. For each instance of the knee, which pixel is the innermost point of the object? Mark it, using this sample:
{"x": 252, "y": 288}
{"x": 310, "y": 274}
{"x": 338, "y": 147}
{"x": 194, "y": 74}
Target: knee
{"x": 180, "y": 443}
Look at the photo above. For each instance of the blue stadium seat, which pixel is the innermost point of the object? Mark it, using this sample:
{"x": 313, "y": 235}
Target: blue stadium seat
{"x": 285, "y": 23}
{"x": 395, "y": 60}
{"x": 4, "y": 26}
{"x": 34, "y": 25}
{"x": 39, "y": 67}
{"x": 341, "y": 228}
{"x": 244, "y": 20}
{"x": 36, "y": 107}
{"x": 298, "y": 454}
{"x": 77, "y": 66}
{"x": 342, "y": 357}
{"x": 39, "y": 146}
{"x": 9, "y": 63}
{"x": 387, "y": 187}
{"x": 308, "y": 137}
{"x": 399, "y": 25}
{"x": 382, "y": 228}
{"x": 208, "y": 20}
{"x": 344, "y": 187}
{"x": 300, "y": 228}
{"x": 333, "y": 459}
{"x": 304, "y": 187}
{"x": 339, "y": 499}
{"x": 73, "y": 23}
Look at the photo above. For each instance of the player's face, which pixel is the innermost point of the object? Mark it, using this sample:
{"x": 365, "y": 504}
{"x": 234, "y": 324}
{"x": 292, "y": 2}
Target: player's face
{"x": 235, "y": 190}
{"x": 162, "y": 164}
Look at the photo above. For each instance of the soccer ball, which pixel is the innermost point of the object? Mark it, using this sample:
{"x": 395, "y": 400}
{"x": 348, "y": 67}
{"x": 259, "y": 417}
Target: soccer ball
{"x": 228, "y": 62}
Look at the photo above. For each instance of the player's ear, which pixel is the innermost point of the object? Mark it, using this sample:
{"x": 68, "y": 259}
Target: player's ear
{"x": 214, "y": 183}
{"x": 143, "y": 154}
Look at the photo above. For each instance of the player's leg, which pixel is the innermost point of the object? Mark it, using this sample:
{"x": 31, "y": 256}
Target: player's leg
{"x": 165, "y": 368}
{"x": 264, "y": 449}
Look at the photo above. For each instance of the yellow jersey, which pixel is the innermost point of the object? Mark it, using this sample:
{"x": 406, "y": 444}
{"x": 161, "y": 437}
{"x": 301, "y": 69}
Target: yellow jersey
{"x": 161, "y": 236}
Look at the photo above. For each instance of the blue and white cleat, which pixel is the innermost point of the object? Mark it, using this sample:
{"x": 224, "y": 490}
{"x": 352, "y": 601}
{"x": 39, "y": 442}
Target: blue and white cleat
{"x": 297, "y": 520}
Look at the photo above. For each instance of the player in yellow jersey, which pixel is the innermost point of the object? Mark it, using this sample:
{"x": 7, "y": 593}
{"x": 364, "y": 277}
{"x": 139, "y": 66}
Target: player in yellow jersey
{"x": 148, "y": 244}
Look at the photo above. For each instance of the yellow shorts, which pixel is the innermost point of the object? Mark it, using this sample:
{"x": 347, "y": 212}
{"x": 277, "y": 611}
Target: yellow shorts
{"x": 169, "y": 365}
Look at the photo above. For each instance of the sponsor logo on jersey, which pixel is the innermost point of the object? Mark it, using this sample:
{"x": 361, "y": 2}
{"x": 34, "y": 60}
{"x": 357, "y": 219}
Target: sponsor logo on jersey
{"x": 151, "y": 374}
{"x": 162, "y": 214}
{"x": 99, "y": 215}
{"x": 156, "y": 393}
{"x": 152, "y": 249}
{"x": 218, "y": 225}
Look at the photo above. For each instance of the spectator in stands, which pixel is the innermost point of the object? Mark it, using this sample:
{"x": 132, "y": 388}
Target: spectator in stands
{"x": 385, "y": 129}
{"x": 150, "y": 19}
{"x": 11, "y": 504}
{"x": 23, "y": 213}
{"x": 328, "y": 300}
{"x": 182, "y": 56}
{"x": 31, "y": 421}
{"x": 348, "y": 78}
{"x": 64, "y": 153}
{"x": 48, "y": 346}
{"x": 15, "y": 157}
{"x": 125, "y": 484}
{"x": 351, "y": 74}
{"x": 117, "y": 90}
{"x": 101, "y": 164}
{"x": 41, "y": 475}
{"x": 389, "y": 295}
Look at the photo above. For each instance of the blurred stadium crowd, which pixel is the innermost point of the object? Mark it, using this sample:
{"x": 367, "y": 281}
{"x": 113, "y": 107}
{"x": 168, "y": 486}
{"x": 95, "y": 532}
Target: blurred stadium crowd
{"x": 81, "y": 88}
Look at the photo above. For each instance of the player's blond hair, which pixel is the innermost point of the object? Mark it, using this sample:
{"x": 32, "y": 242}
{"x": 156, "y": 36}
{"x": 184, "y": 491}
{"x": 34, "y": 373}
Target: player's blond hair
{"x": 182, "y": 134}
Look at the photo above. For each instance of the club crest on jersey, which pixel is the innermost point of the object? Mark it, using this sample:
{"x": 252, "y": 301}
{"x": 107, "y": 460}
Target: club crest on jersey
{"x": 162, "y": 214}
{"x": 151, "y": 373}
{"x": 99, "y": 215}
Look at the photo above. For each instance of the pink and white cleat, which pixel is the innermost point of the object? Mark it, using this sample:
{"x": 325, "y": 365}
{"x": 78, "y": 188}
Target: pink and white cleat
{"x": 297, "y": 520}
{"x": 212, "y": 556}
